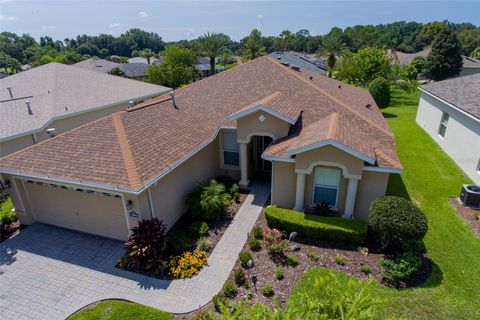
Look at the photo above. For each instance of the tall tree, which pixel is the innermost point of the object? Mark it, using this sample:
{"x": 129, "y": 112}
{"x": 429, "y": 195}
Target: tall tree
{"x": 445, "y": 59}
{"x": 146, "y": 53}
{"x": 331, "y": 48}
{"x": 253, "y": 47}
{"x": 287, "y": 39}
{"x": 212, "y": 45}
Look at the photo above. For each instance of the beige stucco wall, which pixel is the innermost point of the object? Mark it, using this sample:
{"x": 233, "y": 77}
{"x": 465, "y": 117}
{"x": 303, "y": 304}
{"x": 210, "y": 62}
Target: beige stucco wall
{"x": 270, "y": 126}
{"x": 371, "y": 186}
{"x": 284, "y": 182}
{"x": 61, "y": 125}
{"x": 80, "y": 211}
{"x": 329, "y": 154}
{"x": 168, "y": 196}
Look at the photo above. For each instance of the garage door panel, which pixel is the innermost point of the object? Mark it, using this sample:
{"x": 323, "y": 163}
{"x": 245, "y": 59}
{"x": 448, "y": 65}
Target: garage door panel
{"x": 79, "y": 211}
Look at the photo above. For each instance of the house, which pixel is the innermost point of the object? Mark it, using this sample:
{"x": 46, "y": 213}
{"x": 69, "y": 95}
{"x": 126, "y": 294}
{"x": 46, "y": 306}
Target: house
{"x": 203, "y": 67}
{"x": 97, "y": 64}
{"x": 315, "y": 138}
{"x": 299, "y": 60}
{"x": 449, "y": 111}
{"x": 61, "y": 97}
{"x": 134, "y": 70}
{"x": 470, "y": 65}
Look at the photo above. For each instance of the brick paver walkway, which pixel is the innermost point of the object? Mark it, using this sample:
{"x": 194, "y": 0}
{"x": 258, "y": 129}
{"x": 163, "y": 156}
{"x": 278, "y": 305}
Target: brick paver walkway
{"x": 49, "y": 273}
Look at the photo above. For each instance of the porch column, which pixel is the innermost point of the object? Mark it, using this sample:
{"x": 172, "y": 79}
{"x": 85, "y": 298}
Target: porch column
{"x": 300, "y": 193}
{"x": 244, "y": 166}
{"x": 350, "y": 199}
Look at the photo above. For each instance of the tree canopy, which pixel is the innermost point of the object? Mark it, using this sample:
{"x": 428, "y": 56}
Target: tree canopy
{"x": 445, "y": 59}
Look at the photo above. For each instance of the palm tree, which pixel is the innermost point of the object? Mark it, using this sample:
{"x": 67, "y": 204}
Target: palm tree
{"x": 287, "y": 38}
{"x": 253, "y": 47}
{"x": 212, "y": 44}
{"x": 225, "y": 56}
{"x": 331, "y": 48}
{"x": 146, "y": 53}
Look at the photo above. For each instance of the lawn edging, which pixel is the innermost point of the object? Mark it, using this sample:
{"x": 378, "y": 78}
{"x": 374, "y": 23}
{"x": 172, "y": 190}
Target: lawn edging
{"x": 317, "y": 227}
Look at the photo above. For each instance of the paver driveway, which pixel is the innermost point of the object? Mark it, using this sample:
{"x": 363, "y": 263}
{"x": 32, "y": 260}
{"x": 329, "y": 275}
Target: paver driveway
{"x": 49, "y": 273}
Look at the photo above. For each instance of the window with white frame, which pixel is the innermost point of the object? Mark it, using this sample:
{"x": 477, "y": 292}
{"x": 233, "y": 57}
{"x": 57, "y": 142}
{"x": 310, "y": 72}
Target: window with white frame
{"x": 325, "y": 185}
{"x": 230, "y": 149}
{"x": 443, "y": 124}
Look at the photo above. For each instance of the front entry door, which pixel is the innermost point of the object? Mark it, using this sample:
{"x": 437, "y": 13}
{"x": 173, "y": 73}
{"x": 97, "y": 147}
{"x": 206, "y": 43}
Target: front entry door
{"x": 263, "y": 168}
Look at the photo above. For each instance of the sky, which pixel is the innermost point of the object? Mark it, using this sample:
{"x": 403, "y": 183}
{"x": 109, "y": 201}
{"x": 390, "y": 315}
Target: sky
{"x": 176, "y": 20}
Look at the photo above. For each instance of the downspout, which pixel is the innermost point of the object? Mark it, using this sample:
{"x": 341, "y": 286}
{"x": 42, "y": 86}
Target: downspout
{"x": 34, "y": 138}
{"x": 150, "y": 203}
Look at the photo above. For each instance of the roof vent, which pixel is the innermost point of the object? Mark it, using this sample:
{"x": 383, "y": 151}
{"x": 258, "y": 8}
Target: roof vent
{"x": 339, "y": 86}
{"x": 368, "y": 106}
{"x": 27, "y": 103}
{"x": 131, "y": 103}
{"x": 311, "y": 78}
{"x": 296, "y": 68}
{"x": 286, "y": 64}
{"x": 10, "y": 91}
{"x": 51, "y": 132}
{"x": 174, "y": 103}
{"x": 279, "y": 58}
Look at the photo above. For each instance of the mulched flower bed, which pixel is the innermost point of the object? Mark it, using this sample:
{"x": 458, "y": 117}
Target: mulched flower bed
{"x": 10, "y": 230}
{"x": 470, "y": 215}
{"x": 215, "y": 233}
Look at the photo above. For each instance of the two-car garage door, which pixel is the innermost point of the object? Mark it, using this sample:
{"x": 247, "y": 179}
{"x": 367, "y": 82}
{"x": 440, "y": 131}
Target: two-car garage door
{"x": 78, "y": 210}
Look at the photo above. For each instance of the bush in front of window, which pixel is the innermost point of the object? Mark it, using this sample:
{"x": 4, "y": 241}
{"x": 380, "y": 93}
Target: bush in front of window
{"x": 316, "y": 227}
{"x": 400, "y": 225}
{"x": 209, "y": 201}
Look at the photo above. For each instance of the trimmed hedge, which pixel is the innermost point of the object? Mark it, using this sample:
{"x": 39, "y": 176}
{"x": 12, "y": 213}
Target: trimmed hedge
{"x": 317, "y": 227}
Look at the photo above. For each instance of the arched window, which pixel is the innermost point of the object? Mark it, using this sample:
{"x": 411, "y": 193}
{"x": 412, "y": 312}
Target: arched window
{"x": 325, "y": 185}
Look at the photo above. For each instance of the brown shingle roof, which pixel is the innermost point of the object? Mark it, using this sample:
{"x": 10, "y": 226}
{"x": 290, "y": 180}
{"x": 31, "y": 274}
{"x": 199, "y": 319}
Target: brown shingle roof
{"x": 157, "y": 137}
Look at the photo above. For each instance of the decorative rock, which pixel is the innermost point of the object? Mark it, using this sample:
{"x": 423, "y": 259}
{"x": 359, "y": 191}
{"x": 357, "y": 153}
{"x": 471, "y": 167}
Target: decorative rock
{"x": 292, "y": 236}
{"x": 249, "y": 264}
{"x": 295, "y": 248}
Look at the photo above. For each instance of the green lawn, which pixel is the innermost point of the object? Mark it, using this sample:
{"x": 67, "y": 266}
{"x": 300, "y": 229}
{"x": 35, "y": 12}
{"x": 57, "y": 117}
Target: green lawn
{"x": 120, "y": 310}
{"x": 428, "y": 179}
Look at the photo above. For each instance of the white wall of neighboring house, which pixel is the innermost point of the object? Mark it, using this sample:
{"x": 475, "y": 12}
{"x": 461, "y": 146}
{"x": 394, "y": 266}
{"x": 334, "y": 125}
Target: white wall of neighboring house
{"x": 468, "y": 71}
{"x": 462, "y": 137}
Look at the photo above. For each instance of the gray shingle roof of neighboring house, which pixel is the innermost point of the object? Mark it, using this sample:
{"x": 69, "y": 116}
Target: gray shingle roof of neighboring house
{"x": 299, "y": 60}
{"x": 462, "y": 92}
{"x": 406, "y": 58}
{"x": 134, "y": 69}
{"x": 153, "y": 60}
{"x": 97, "y": 64}
{"x": 56, "y": 91}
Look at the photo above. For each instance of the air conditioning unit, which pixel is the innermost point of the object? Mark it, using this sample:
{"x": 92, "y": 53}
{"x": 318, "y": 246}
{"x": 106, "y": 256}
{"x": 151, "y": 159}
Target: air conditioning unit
{"x": 470, "y": 195}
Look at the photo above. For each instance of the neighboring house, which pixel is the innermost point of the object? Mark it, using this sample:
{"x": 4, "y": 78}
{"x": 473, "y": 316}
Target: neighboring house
{"x": 315, "y": 138}
{"x": 470, "y": 65}
{"x": 299, "y": 60}
{"x": 97, "y": 64}
{"x": 449, "y": 111}
{"x": 134, "y": 70}
{"x": 61, "y": 97}
{"x": 203, "y": 66}
{"x": 143, "y": 60}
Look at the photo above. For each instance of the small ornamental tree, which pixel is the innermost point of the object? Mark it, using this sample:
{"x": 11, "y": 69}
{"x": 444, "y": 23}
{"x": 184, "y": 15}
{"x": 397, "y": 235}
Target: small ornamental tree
{"x": 380, "y": 91}
{"x": 445, "y": 59}
{"x": 398, "y": 222}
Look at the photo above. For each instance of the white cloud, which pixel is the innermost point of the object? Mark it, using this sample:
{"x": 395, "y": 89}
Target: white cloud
{"x": 48, "y": 27}
{"x": 143, "y": 14}
{"x": 260, "y": 16}
{"x": 7, "y": 18}
{"x": 115, "y": 25}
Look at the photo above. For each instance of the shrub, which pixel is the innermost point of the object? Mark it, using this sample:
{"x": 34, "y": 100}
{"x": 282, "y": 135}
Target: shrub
{"x": 312, "y": 256}
{"x": 340, "y": 260}
{"x": 278, "y": 248}
{"x": 257, "y": 232}
{"x": 278, "y": 273}
{"x": 209, "y": 200}
{"x": 267, "y": 290}
{"x": 366, "y": 269}
{"x": 400, "y": 268}
{"x": 244, "y": 256}
{"x": 254, "y": 244}
{"x": 316, "y": 227}
{"x": 272, "y": 236}
{"x": 239, "y": 276}
{"x": 7, "y": 215}
{"x": 380, "y": 91}
{"x": 234, "y": 192}
{"x": 198, "y": 228}
{"x": 229, "y": 290}
{"x": 145, "y": 245}
{"x": 178, "y": 243}
{"x": 292, "y": 261}
{"x": 398, "y": 223}
{"x": 203, "y": 244}
{"x": 218, "y": 301}
{"x": 187, "y": 264}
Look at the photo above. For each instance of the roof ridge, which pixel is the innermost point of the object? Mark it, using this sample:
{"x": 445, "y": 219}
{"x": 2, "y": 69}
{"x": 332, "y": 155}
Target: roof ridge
{"x": 127, "y": 156}
{"x": 332, "y": 127}
{"x": 389, "y": 133}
